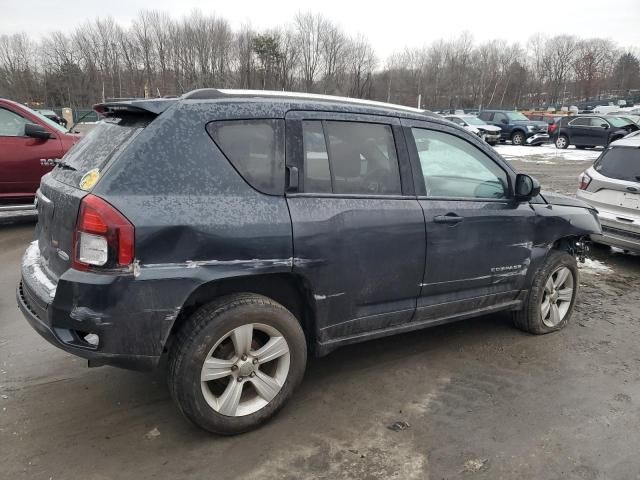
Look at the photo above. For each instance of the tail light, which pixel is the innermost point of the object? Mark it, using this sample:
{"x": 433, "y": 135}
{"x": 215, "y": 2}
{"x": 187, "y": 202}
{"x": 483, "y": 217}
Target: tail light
{"x": 103, "y": 239}
{"x": 585, "y": 180}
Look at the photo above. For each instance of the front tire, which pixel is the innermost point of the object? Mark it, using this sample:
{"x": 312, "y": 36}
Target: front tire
{"x": 517, "y": 138}
{"x": 236, "y": 362}
{"x": 552, "y": 296}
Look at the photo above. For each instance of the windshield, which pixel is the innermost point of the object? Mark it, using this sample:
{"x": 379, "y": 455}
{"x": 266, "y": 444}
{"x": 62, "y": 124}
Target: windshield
{"x": 46, "y": 120}
{"x": 473, "y": 121}
{"x": 622, "y": 163}
{"x": 516, "y": 116}
{"x": 618, "y": 122}
{"x": 632, "y": 118}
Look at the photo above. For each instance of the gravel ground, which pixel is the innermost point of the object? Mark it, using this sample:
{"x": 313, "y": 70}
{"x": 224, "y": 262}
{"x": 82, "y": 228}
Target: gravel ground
{"x": 479, "y": 399}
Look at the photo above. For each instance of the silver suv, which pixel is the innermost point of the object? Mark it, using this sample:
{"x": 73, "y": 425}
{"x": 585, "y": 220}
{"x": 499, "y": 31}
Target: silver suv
{"x": 612, "y": 185}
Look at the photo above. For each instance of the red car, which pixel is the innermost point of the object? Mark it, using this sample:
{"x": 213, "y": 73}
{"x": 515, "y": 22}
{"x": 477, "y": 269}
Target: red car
{"x": 29, "y": 145}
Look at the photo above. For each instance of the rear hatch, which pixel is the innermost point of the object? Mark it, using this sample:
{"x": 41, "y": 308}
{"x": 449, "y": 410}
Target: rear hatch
{"x": 62, "y": 190}
{"x": 615, "y": 187}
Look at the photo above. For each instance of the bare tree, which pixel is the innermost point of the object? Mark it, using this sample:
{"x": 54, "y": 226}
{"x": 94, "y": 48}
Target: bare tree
{"x": 310, "y": 28}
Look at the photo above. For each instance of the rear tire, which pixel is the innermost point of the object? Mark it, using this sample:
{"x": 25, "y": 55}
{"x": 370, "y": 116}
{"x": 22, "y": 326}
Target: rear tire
{"x": 236, "y": 362}
{"x": 562, "y": 142}
{"x": 517, "y": 138}
{"x": 552, "y": 295}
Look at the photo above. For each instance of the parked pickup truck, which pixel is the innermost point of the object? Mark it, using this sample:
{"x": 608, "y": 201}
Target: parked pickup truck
{"x": 30, "y": 145}
{"x": 516, "y": 127}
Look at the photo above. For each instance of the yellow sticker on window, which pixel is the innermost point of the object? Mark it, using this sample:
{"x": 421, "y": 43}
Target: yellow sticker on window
{"x": 89, "y": 179}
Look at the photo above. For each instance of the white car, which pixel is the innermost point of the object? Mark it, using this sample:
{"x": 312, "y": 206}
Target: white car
{"x": 612, "y": 186}
{"x": 489, "y": 133}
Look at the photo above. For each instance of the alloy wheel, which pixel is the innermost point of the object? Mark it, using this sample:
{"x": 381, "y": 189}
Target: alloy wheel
{"x": 561, "y": 142}
{"x": 518, "y": 139}
{"x": 245, "y": 369}
{"x": 559, "y": 290}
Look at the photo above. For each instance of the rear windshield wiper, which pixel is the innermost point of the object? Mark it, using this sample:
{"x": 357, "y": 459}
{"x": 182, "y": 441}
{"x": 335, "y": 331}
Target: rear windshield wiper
{"x": 65, "y": 165}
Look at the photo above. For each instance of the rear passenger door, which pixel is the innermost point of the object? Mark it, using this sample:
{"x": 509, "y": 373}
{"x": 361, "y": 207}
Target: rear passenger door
{"x": 479, "y": 238}
{"x": 358, "y": 230}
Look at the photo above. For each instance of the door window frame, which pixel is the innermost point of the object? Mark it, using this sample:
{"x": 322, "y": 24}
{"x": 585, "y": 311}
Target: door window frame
{"x": 294, "y": 154}
{"x": 483, "y": 148}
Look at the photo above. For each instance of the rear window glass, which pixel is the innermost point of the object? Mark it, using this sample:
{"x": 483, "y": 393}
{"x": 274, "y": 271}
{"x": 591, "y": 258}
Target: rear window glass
{"x": 622, "y": 163}
{"x": 256, "y": 150}
{"x": 98, "y": 147}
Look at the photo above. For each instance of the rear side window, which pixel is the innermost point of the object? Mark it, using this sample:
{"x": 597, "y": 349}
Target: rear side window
{"x": 622, "y": 163}
{"x": 317, "y": 174}
{"x": 255, "y": 148}
{"x": 362, "y": 158}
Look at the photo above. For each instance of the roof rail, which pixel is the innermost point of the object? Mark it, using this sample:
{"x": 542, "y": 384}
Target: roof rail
{"x": 216, "y": 93}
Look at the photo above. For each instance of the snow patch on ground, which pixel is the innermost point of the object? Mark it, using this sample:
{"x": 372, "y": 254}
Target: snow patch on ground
{"x": 594, "y": 267}
{"x": 546, "y": 153}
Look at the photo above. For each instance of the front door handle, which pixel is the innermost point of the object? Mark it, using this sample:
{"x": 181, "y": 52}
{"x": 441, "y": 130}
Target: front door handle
{"x": 451, "y": 218}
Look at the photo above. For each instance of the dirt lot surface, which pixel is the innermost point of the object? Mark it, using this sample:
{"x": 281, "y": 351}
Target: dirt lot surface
{"x": 481, "y": 399}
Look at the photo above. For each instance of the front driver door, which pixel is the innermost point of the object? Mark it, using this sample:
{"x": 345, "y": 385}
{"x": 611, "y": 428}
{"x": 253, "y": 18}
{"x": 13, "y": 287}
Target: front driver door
{"x": 479, "y": 239}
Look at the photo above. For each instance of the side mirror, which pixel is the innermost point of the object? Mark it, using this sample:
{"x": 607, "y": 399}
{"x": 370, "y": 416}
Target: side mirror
{"x": 526, "y": 187}
{"x": 604, "y": 125}
{"x": 36, "y": 131}
{"x": 504, "y": 121}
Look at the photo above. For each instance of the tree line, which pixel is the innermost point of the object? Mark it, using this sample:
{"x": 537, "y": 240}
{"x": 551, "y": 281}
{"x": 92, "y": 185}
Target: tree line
{"x": 160, "y": 56}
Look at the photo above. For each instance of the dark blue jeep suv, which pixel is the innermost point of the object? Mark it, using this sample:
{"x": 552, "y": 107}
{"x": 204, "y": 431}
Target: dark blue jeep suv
{"x": 235, "y": 231}
{"x": 516, "y": 127}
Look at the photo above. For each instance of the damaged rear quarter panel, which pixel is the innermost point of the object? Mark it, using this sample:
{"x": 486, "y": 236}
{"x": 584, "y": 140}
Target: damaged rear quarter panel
{"x": 196, "y": 220}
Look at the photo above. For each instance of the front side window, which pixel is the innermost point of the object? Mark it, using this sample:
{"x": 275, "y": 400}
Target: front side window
{"x": 454, "y": 168}
{"x": 255, "y": 148}
{"x": 361, "y": 158}
{"x": 11, "y": 124}
{"x": 500, "y": 118}
{"x": 597, "y": 122}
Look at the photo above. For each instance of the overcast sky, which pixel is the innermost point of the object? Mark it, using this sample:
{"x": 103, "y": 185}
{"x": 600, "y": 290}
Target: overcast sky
{"x": 388, "y": 29}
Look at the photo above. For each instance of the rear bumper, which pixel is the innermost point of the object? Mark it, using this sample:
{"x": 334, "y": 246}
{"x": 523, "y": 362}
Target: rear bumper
{"x": 130, "y": 317}
{"x": 66, "y": 340}
{"x": 617, "y": 233}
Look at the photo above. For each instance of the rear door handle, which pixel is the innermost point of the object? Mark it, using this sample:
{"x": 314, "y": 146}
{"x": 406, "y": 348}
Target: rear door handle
{"x": 448, "y": 218}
